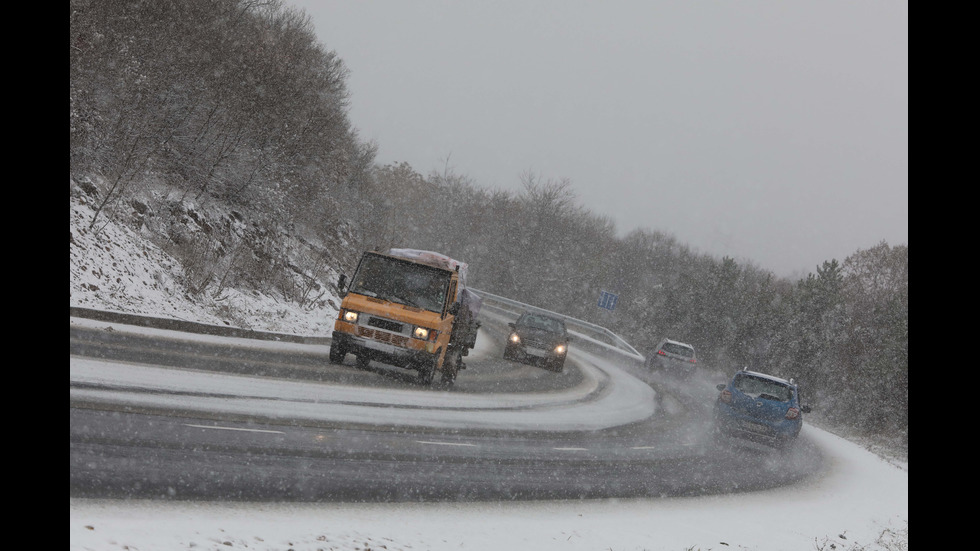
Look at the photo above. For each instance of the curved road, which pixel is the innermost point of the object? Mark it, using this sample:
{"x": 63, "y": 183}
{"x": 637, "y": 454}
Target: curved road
{"x": 175, "y": 415}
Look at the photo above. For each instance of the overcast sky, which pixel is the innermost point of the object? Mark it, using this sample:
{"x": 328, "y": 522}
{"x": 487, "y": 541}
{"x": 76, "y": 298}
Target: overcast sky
{"x": 769, "y": 131}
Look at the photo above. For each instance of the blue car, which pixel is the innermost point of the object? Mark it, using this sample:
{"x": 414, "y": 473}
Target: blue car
{"x": 760, "y": 407}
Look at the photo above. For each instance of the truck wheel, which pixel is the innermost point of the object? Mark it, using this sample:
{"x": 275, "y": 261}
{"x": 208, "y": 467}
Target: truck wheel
{"x": 448, "y": 375}
{"x": 450, "y": 366}
{"x": 337, "y": 354}
{"x": 363, "y": 361}
{"x": 426, "y": 373}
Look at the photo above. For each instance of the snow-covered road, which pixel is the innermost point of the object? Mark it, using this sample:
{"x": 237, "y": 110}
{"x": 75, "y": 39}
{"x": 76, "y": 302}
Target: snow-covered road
{"x": 857, "y": 501}
{"x": 605, "y": 397}
{"x": 857, "y": 498}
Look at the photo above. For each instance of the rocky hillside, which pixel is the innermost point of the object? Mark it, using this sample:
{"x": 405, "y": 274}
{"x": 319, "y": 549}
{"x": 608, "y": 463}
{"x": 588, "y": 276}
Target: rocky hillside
{"x": 123, "y": 267}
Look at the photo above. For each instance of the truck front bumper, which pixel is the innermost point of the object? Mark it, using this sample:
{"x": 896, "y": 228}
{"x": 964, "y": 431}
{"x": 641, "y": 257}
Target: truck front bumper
{"x": 382, "y": 351}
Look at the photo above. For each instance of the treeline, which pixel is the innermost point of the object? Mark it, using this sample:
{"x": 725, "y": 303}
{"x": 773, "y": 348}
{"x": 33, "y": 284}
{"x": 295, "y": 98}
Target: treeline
{"x": 233, "y": 99}
{"x": 177, "y": 105}
{"x": 842, "y": 331}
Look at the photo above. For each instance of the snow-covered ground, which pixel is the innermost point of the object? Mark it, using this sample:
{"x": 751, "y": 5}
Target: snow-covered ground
{"x": 860, "y": 501}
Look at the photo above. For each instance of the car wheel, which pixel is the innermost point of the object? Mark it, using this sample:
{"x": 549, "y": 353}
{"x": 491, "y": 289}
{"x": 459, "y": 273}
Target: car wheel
{"x": 337, "y": 354}
{"x": 558, "y": 365}
{"x": 515, "y": 354}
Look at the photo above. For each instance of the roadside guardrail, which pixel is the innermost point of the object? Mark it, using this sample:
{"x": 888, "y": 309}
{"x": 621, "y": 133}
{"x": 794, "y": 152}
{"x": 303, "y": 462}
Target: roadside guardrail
{"x": 593, "y": 336}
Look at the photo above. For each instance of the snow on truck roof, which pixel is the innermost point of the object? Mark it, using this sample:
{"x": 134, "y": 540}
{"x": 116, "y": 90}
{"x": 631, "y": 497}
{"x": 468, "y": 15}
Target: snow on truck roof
{"x": 434, "y": 259}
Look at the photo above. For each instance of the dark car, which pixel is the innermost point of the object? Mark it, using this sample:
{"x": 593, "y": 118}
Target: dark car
{"x": 538, "y": 339}
{"x": 760, "y": 407}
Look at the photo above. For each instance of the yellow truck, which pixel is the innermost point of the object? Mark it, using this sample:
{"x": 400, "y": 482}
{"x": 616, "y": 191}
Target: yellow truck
{"x": 408, "y": 308}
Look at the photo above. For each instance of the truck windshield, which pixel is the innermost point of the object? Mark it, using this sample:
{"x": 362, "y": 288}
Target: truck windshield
{"x": 401, "y": 281}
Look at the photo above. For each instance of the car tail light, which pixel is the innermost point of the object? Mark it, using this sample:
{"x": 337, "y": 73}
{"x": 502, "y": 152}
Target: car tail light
{"x": 792, "y": 413}
{"x": 661, "y": 352}
{"x": 725, "y": 396}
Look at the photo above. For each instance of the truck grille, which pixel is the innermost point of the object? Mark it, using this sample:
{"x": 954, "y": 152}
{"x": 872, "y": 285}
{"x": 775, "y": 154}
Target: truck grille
{"x": 387, "y": 325}
{"x": 382, "y": 336}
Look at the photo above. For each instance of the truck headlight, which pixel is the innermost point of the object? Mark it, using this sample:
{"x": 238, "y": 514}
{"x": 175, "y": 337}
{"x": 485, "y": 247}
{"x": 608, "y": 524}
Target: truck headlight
{"x": 421, "y": 333}
{"x": 560, "y": 349}
{"x": 350, "y": 317}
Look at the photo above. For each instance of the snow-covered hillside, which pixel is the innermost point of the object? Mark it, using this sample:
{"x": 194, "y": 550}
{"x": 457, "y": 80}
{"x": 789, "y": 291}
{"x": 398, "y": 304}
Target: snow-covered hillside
{"x": 112, "y": 267}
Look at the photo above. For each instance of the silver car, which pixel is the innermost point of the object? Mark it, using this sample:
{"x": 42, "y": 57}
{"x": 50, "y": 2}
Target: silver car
{"x": 673, "y": 357}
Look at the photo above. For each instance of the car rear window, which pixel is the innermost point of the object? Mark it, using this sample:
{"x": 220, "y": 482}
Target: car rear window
{"x": 678, "y": 349}
{"x": 758, "y": 387}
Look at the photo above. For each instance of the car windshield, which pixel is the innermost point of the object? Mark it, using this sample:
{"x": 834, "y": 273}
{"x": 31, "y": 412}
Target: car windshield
{"x": 678, "y": 349}
{"x": 402, "y": 282}
{"x": 543, "y": 322}
{"x": 758, "y": 387}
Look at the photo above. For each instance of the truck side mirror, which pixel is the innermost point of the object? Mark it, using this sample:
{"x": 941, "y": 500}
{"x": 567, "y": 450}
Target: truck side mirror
{"x": 342, "y": 283}
{"x": 454, "y": 309}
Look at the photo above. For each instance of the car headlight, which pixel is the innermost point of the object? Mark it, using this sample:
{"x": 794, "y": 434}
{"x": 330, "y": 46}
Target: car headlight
{"x": 350, "y": 317}
{"x": 514, "y": 338}
{"x": 560, "y": 349}
{"x": 420, "y": 333}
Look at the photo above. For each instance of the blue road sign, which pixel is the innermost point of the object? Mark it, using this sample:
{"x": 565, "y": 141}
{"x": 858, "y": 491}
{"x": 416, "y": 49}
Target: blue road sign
{"x": 607, "y": 300}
